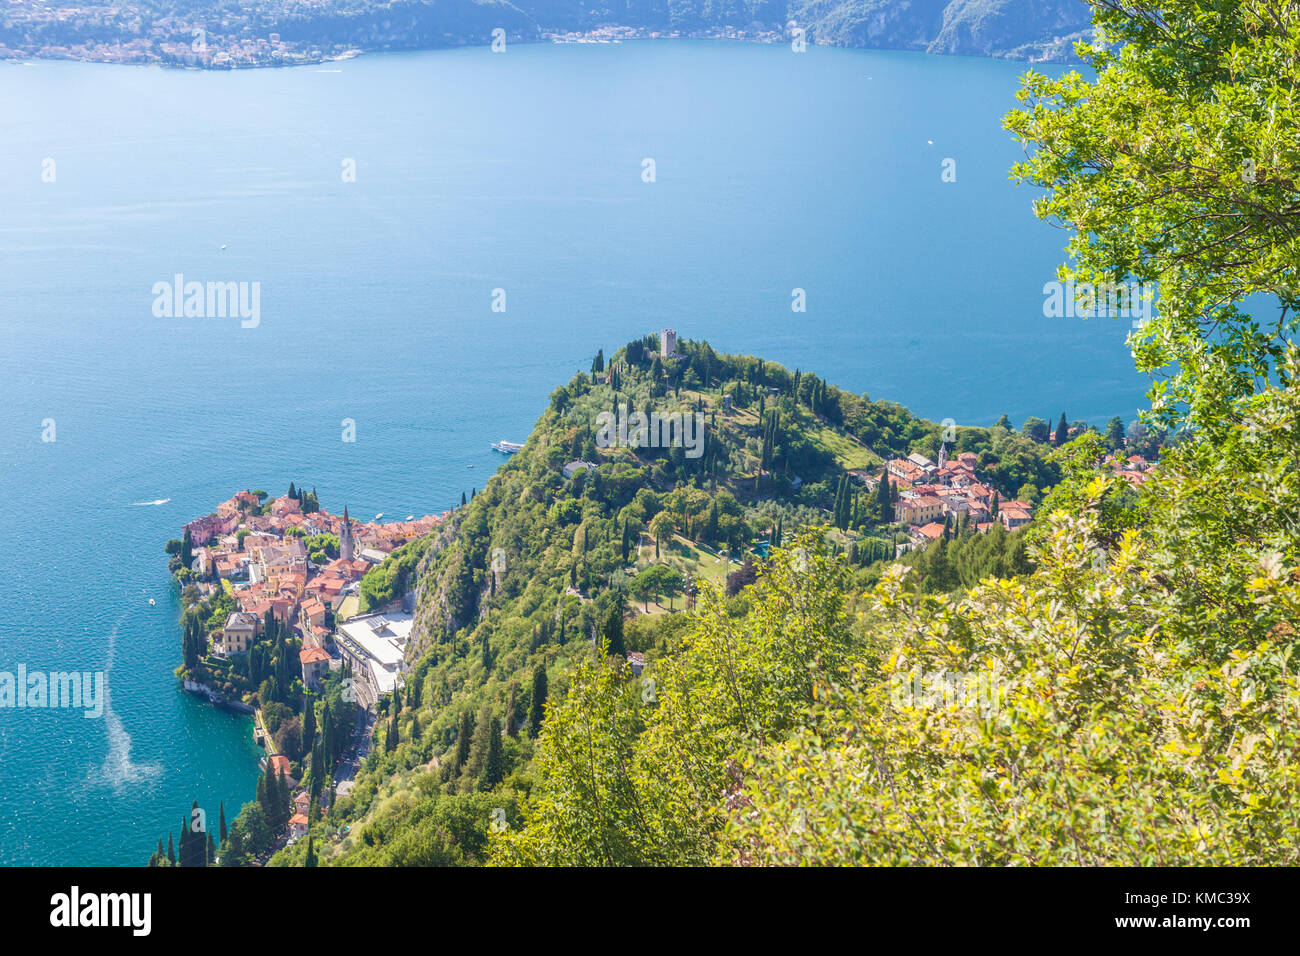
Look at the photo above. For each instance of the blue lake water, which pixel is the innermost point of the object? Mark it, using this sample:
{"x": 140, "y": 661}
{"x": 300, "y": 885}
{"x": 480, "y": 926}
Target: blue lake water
{"x": 474, "y": 171}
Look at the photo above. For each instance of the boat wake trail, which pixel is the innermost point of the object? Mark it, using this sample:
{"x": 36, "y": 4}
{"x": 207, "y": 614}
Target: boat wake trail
{"x": 118, "y": 769}
{"x": 146, "y": 504}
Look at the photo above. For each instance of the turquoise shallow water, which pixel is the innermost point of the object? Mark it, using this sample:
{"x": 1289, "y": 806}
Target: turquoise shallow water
{"x": 475, "y": 171}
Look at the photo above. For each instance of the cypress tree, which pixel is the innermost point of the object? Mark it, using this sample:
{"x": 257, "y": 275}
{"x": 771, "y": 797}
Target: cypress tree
{"x": 463, "y": 734}
{"x": 494, "y": 762}
{"x": 309, "y": 723}
{"x": 537, "y": 707}
{"x": 614, "y": 629}
{"x": 512, "y": 710}
{"x": 171, "y": 849}
{"x": 222, "y": 824}
{"x": 285, "y": 793}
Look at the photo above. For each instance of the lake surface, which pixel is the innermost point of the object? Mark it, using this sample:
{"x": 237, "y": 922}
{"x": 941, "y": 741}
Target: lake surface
{"x": 475, "y": 171}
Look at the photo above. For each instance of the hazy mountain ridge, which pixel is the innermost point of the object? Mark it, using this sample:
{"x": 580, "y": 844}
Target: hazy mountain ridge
{"x": 240, "y": 32}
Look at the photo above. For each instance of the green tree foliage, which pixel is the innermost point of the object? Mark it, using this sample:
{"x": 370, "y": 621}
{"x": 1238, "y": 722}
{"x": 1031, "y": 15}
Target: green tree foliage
{"x": 1139, "y": 708}
{"x": 1035, "y": 429}
{"x": 1176, "y": 166}
{"x": 624, "y": 778}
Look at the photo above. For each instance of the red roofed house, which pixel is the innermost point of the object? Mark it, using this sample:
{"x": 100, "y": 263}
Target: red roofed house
{"x": 313, "y": 611}
{"x": 284, "y": 505}
{"x": 932, "y": 531}
{"x": 918, "y": 510}
{"x": 315, "y": 662}
{"x": 1014, "y": 514}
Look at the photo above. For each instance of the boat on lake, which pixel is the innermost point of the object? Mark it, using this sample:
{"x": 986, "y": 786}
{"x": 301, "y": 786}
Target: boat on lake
{"x": 506, "y": 447}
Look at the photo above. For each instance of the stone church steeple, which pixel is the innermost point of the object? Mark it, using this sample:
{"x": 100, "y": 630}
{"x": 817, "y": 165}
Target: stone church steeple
{"x": 345, "y": 538}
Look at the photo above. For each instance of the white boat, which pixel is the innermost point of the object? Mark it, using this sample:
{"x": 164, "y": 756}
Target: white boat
{"x": 410, "y": 517}
{"x": 151, "y": 602}
{"x": 378, "y": 516}
{"x": 507, "y": 447}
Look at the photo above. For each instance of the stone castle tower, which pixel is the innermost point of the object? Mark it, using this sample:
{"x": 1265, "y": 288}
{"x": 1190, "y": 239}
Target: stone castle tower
{"x": 667, "y": 343}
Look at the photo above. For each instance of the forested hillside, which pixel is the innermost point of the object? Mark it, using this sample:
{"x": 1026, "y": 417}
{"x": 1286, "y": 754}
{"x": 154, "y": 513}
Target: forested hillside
{"x": 543, "y": 574}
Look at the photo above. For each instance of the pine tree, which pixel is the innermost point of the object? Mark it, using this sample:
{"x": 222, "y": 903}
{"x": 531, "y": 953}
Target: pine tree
{"x": 1115, "y": 434}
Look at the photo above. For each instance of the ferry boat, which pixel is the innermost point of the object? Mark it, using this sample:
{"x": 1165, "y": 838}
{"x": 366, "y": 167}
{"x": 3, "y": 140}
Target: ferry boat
{"x": 506, "y": 447}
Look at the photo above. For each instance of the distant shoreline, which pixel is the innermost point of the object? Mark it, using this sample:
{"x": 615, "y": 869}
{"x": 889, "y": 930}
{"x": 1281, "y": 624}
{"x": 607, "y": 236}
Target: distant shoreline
{"x": 270, "y": 54}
